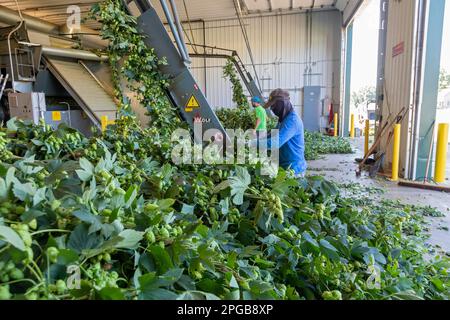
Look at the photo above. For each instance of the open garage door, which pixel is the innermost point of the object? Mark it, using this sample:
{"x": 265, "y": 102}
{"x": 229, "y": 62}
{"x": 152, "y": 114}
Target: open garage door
{"x": 82, "y": 85}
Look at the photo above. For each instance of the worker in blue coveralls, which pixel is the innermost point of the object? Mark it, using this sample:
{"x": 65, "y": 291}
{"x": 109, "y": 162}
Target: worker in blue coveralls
{"x": 290, "y": 139}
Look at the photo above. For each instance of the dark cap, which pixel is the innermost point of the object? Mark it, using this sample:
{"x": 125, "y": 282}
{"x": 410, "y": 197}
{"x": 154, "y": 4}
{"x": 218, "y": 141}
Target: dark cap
{"x": 276, "y": 95}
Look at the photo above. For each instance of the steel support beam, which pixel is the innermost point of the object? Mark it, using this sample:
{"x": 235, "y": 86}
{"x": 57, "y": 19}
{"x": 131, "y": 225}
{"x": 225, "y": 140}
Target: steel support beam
{"x": 345, "y": 117}
{"x": 427, "y": 106}
{"x": 382, "y": 38}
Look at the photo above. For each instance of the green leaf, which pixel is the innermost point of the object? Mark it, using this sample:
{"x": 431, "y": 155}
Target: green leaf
{"x": 210, "y": 285}
{"x": 187, "y": 209}
{"x": 111, "y": 294}
{"x": 3, "y": 189}
{"x": 282, "y": 184}
{"x": 247, "y": 233}
{"x": 221, "y": 186}
{"x": 224, "y": 205}
{"x": 233, "y": 295}
{"x": 9, "y": 235}
{"x": 67, "y": 256}
{"x": 232, "y": 280}
{"x": 307, "y": 237}
{"x": 39, "y": 196}
{"x": 23, "y": 191}
{"x": 438, "y": 284}
{"x": 158, "y": 294}
{"x": 80, "y": 239}
{"x": 83, "y": 175}
{"x": 161, "y": 258}
{"x": 12, "y": 125}
{"x": 330, "y": 251}
{"x": 10, "y": 177}
{"x": 31, "y": 214}
{"x": 130, "y": 196}
{"x": 87, "y": 170}
{"x": 106, "y": 246}
{"x": 406, "y": 295}
{"x": 197, "y": 295}
{"x": 94, "y": 221}
{"x": 57, "y": 168}
{"x": 165, "y": 204}
{"x": 131, "y": 239}
{"x": 150, "y": 285}
{"x": 239, "y": 184}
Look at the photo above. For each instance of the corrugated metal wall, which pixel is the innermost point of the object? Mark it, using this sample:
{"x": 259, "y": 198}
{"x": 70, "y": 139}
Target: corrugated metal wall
{"x": 280, "y": 46}
{"x": 399, "y": 71}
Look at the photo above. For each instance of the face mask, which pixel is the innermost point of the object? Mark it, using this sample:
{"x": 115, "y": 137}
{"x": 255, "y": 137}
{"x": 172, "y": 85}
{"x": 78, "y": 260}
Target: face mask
{"x": 281, "y": 109}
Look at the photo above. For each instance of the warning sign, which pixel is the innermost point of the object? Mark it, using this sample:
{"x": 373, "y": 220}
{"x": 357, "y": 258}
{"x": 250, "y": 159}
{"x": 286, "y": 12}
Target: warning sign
{"x": 192, "y": 104}
{"x": 56, "y": 116}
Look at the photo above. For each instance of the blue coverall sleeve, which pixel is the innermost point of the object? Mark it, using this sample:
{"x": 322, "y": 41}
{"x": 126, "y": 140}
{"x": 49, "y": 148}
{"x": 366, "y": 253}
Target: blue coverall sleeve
{"x": 286, "y": 132}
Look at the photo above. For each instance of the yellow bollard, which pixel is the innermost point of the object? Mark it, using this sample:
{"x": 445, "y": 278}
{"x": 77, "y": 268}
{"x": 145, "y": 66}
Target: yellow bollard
{"x": 366, "y": 140}
{"x": 336, "y": 129}
{"x": 441, "y": 153}
{"x": 396, "y": 152}
{"x": 352, "y": 126}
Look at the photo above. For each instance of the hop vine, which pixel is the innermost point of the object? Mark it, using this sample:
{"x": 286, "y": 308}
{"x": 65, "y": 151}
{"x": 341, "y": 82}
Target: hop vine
{"x": 229, "y": 72}
{"x": 134, "y": 63}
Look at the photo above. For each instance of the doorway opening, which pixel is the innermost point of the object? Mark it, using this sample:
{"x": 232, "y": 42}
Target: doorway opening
{"x": 443, "y": 107}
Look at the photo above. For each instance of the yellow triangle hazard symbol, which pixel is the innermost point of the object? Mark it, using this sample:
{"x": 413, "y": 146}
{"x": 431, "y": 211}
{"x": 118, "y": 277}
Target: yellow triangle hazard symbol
{"x": 192, "y": 103}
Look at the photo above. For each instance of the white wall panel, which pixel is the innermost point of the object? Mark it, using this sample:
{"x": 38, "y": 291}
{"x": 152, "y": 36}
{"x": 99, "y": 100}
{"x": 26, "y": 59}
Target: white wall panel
{"x": 399, "y": 70}
{"x": 280, "y": 46}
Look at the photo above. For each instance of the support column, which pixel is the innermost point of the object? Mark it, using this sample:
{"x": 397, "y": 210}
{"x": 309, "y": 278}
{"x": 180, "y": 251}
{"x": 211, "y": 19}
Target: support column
{"x": 430, "y": 83}
{"x": 348, "y": 76}
{"x": 382, "y": 38}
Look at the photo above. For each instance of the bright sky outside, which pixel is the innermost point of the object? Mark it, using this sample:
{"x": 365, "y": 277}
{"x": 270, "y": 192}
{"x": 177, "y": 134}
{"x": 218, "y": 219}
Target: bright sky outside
{"x": 365, "y": 45}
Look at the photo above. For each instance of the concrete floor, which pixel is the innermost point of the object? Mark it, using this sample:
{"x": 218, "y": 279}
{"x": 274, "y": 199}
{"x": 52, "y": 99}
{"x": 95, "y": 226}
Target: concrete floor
{"x": 341, "y": 168}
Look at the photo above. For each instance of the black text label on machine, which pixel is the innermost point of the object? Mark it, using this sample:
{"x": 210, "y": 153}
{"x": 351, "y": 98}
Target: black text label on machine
{"x": 192, "y": 104}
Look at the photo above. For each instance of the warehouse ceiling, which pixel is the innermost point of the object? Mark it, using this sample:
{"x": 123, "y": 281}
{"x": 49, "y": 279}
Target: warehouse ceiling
{"x": 55, "y": 11}
{"x": 285, "y": 5}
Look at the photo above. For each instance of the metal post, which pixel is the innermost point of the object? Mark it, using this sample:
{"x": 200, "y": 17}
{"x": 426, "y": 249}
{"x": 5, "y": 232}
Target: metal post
{"x": 347, "y": 81}
{"x": 441, "y": 153}
{"x": 175, "y": 33}
{"x": 336, "y": 121}
{"x": 382, "y": 38}
{"x": 205, "y": 70}
{"x": 396, "y": 152}
{"x": 426, "y": 101}
{"x": 179, "y": 28}
{"x": 352, "y": 126}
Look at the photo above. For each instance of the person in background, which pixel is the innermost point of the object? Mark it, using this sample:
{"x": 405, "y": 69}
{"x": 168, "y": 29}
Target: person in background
{"x": 291, "y": 137}
{"x": 261, "y": 116}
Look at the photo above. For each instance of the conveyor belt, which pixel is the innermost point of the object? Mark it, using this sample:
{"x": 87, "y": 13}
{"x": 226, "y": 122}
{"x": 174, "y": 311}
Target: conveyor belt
{"x": 83, "y": 87}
